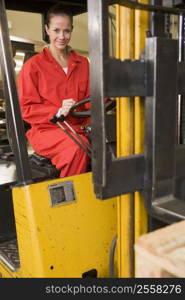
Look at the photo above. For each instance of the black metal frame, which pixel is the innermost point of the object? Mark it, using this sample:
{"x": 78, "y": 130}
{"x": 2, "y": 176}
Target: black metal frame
{"x": 17, "y": 135}
{"x": 164, "y": 158}
{"x": 181, "y": 99}
{"x": 134, "y": 4}
{"x": 122, "y": 175}
{"x": 157, "y": 21}
{"x": 160, "y": 78}
{"x": 41, "y": 6}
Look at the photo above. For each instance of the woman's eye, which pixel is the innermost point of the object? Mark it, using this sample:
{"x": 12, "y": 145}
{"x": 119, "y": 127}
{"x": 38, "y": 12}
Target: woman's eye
{"x": 56, "y": 30}
{"x": 67, "y": 31}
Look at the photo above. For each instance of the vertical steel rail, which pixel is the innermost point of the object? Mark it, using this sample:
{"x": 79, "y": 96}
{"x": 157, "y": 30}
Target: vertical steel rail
{"x": 181, "y": 103}
{"x": 141, "y": 25}
{"x": 157, "y": 20}
{"x": 98, "y": 44}
{"x": 16, "y": 132}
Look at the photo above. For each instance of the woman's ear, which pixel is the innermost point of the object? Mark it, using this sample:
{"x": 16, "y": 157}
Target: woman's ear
{"x": 47, "y": 29}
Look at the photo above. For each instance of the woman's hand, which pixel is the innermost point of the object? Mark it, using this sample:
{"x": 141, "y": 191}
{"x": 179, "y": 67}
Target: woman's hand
{"x": 66, "y": 106}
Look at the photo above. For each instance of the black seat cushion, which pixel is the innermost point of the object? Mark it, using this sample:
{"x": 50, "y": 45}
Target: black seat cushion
{"x": 39, "y": 159}
{"x": 42, "y": 167}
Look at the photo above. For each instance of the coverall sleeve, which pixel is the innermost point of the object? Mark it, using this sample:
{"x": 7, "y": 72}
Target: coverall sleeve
{"x": 35, "y": 109}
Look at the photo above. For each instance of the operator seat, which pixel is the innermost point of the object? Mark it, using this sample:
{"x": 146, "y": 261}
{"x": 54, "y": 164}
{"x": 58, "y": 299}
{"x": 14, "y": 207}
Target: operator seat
{"x": 41, "y": 167}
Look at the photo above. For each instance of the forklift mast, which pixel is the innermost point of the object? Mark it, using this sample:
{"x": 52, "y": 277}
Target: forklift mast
{"x": 158, "y": 170}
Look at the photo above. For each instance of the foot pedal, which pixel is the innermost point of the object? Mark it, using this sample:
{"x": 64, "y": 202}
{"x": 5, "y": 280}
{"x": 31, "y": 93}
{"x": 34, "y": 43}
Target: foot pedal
{"x": 9, "y": 254}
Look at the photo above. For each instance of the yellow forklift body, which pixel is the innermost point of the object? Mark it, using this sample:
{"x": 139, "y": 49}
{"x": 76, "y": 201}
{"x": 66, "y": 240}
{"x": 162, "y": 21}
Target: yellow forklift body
{"x": 65, "y": 240}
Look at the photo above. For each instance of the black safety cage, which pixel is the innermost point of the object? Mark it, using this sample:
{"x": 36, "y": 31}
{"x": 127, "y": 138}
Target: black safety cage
{"x": 159, "y": 77}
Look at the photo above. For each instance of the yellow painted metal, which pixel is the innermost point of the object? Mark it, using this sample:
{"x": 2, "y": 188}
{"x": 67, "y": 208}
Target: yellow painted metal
{"x": 66, "y": 240}
{"x": 125, "y": 144}
{"x": 132, "y": 215}
{"x": 5, "y": 273}
{"x": 141, "y": 25}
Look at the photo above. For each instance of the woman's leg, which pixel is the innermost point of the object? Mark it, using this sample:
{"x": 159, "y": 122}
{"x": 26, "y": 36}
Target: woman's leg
{"x": 64, "y": 153}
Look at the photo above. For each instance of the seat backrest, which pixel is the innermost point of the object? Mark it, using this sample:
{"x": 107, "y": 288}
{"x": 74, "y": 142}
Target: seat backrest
{"x": 29, "y": 54}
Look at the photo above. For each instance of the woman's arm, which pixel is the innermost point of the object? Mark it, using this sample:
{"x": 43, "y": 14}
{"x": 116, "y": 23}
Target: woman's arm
{"x": 35, "y": 109}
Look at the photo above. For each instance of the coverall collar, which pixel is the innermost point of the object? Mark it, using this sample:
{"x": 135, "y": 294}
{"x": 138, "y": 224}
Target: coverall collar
{"x": 74, "y": 59}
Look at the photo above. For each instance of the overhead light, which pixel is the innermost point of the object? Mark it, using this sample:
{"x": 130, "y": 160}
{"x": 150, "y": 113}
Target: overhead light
{"x": 20, "y": 54}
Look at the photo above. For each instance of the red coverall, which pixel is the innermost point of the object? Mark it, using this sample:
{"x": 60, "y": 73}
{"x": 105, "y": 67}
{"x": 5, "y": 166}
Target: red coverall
{"x": 43, "y": 85}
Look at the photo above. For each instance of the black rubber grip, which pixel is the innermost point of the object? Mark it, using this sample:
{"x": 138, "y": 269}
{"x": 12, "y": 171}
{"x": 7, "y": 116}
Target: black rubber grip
{"x": 55, "y": 119}
{"x": 61, "y": 118}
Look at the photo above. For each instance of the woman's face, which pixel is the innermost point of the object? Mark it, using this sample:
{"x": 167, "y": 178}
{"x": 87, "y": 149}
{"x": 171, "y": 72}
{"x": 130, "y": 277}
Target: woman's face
{"x": 59, "y": 31}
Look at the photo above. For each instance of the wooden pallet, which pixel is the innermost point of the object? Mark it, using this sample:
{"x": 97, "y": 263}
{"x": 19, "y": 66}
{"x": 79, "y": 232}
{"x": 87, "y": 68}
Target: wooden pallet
{"x": 161, "y": 253}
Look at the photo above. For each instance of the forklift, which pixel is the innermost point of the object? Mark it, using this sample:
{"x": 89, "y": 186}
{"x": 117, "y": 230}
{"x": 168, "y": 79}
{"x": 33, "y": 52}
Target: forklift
{"x": 86, "y": 225}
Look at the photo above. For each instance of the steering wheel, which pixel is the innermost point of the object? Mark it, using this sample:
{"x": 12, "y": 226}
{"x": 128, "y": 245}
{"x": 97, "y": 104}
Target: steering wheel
{"x": 87, "y": 113}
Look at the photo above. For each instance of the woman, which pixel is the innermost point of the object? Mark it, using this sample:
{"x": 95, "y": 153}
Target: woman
{"x": 49, "y": 84}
